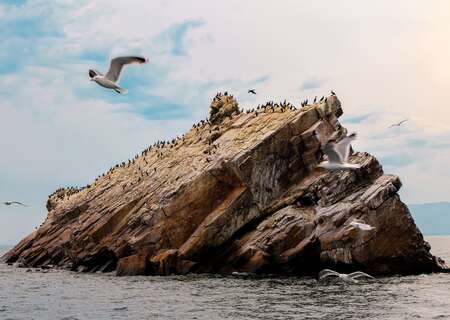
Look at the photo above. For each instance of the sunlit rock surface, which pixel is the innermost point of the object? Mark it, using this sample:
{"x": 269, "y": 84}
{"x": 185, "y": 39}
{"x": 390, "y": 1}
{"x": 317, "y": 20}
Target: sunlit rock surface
{"x": 239, "y": 193}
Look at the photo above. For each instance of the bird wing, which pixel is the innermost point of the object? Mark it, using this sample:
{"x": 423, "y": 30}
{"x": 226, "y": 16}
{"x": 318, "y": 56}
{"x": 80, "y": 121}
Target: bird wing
{"x": 16, "y": 202}
{"x": 343, "y": 146}
{"x": 398, "y": 124}
{"x": 117, "y": 64}
{"x": 362, "y": 226}
{"x": 328, "y": 273}
{"x": 330, "y": 150}
{"x": 359, "y": 275}
{"x": 366, "y": 227}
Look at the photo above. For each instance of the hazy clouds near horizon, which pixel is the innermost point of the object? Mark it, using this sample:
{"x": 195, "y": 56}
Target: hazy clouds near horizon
{"x": 386, "y": 60}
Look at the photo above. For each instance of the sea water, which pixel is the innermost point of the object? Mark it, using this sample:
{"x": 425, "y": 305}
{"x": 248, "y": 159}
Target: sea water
{"x": 41, "y": 294}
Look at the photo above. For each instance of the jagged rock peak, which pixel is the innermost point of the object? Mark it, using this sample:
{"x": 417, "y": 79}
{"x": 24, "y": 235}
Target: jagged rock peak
{"x": 222, "y": 106}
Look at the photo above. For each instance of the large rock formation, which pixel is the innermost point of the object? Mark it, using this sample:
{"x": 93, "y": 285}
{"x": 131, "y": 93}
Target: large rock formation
{"x": 239, "y": 193}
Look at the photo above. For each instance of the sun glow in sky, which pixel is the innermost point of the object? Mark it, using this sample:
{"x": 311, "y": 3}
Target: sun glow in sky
{"x": 387, "y": 60}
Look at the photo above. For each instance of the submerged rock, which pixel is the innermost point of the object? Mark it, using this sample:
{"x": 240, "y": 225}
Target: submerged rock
{"x": 134, "y": 265}
{"x": 240, "y": 193}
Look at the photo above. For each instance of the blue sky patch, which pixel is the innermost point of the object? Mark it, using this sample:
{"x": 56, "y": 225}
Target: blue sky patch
{"x": 174, "y": 38}
{"x": 358, "y": 119}
{"x": 312, "y": 84}
{"x": 400, "y": 160}
{"x": 14, "y": 2}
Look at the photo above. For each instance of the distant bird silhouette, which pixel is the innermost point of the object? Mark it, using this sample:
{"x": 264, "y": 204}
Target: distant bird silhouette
{"x": 333, "y": 93}
{"x": 398, "y": 124}
{"x": 315, "y": 99}
{"x": 112, "y": 76}
{"x": 252, "y": 91}
{"x": 8, "y": 203}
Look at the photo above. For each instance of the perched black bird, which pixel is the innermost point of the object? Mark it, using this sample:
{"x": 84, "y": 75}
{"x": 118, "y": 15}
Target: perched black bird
{"x": 333, "y": 93}
{"x": 252, "y": 91}
{"x": 321, "y": 99}
{"x": 315, "y": 99}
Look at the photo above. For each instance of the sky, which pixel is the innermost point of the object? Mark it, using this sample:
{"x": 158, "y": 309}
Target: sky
{"x": 386, "y": 60}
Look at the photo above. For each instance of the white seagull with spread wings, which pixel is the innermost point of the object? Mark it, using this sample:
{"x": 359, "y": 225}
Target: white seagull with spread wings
{"x": 338, "y": 154}
{"x": 351, "y": 277}
{"x": 112, "y": 76}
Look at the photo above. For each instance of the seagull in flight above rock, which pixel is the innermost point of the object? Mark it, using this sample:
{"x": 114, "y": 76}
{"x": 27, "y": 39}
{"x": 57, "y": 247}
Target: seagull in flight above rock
{"x": 252, "y": 91}
{"x": 110, "y": 79}
{"x": 338, "y": 154}
{"x": 8, "y": 203}
{"x": 398, "y": 124}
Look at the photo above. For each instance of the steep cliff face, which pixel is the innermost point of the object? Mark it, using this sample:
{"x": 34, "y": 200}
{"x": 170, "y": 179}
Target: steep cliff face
{"x": 239, "y": 193}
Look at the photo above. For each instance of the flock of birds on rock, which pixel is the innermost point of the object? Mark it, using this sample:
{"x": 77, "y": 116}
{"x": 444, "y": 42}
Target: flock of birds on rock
{"x": 337, "y": 152}
{"x": 162, "y": 147}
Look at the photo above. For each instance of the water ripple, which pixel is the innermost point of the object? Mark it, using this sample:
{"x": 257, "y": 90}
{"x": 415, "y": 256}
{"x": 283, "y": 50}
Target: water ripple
{"x": 70, "y": 296}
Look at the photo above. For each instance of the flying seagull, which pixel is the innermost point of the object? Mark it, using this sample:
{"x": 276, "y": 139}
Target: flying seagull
{"x": 112, "y": 76}
{"x": 338, "y": 154}
{"x": 252, "y": 91}
{"x": 8, "y": 203}
{"x": 351, "y": 277}
{"x": 398, "y": 124}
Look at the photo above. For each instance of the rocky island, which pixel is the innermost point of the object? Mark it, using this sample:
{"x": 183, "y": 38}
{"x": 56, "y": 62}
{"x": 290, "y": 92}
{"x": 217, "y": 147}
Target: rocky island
{"x": 240, "y": 192}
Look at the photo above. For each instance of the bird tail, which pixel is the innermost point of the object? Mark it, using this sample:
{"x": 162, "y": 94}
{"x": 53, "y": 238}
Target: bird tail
{"x": 120, "y": 90}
